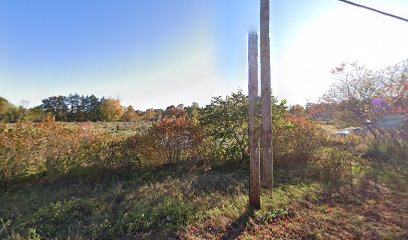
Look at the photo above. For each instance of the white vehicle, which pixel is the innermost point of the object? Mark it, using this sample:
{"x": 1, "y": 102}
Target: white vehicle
{"x": 349, "y": 130}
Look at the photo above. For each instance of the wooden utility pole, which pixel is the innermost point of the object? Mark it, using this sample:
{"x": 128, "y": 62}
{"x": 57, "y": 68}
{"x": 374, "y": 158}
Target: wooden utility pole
{"x": 254, "y": 178}
{"x": 266, "y": 140}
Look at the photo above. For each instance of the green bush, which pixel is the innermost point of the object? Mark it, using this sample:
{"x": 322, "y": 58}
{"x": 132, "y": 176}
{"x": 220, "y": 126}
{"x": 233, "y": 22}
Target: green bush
{"x": 387, "y": 149}
{"x": 334, "y": 166}
{"x": 388, "y": 144}
{"x": 296, "y": 140}
{"x": 225, "y": 122}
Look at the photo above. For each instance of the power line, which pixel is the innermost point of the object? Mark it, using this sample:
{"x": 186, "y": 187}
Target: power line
{"x": 375, "y": 10}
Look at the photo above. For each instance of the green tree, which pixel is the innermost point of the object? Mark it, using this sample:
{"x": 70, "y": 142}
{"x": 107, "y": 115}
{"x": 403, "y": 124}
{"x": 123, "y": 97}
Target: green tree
{"x": 57, "y": 106}
{"x": 9, "y": 112}
{"x": 36, "y": 114}
{"x": 226, "y": 124}
{"x": 93, "y": 108}
{"x": 193, "y": 110}
{"x": 4, "y": 106}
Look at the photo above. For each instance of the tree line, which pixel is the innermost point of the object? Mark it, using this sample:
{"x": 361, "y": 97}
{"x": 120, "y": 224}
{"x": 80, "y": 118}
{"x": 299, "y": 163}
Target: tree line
{"x": 358, "y": 95}
{"x": 80, "y": 108}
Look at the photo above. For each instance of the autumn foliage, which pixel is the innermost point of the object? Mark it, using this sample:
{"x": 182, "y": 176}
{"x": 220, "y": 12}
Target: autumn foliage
{"x": 50, "y": 150}
{"x": 170, "y": 140}
{"x": 111, "y": 110}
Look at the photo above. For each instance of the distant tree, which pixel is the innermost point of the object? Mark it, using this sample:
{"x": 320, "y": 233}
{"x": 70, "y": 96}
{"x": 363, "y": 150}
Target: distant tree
{"x": 159, "y": 114}
{"x": 297, "y": 110}
{"x": 93, "y": 108}
{"x": 73, "y": 101}
{"x": 353, "y": 83}
{"x": 195, "y": 105}
{"x": 4, "y": 106}
{"x": 180, "y": 111}
{"x": 170, "y": 111}
{"x": 321, "y": 111}
{"x": 10, "y": 113}
{"x": 308, "y": 107}
{"x": 395, "y": 90}
{"x": 175, "y": 112}
{"x": 57, "y": 106}
{"x": 150, "y": 114}
{"x": 140, "y": 114}
{"x": 193, "y": 110}
{"x": 83, "y": 113}
{"x": 111, "y": 110}
{"x": 130, "y": 114}
{"x": 73, "y": 108}
{"x": 36, "y": 114}
{"x": 16, "y": 113}
{"x": 360, "y": 94}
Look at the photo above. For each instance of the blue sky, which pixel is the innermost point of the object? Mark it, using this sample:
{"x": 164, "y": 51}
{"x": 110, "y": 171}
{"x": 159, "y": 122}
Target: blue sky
{"x": 157, "y": 53}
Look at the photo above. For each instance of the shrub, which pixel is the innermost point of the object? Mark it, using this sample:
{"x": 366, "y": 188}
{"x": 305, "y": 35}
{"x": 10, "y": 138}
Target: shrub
{"x": 226, "y": 125}
{"x": 296, "y": 140}
{"x": 51, "y": 150}
{"x": 170, "y": 140}
{"x": 334, "y": 165}
{"x": 389, "y": 144}
{"x": 225, "y": 122}
{"x": 386, "y": 149}
{"x": 106, "y": 152}
{"x": 22, "y": 151}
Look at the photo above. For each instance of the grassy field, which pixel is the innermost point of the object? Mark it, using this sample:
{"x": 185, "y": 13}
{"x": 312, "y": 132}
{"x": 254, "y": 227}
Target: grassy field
{"x": 193, "y": 201}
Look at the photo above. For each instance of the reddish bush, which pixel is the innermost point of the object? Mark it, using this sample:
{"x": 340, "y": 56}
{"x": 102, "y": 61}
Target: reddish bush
{"x": 51, "y": 149}
{"x": 29, "y": 149}
{"x": 170, "y": 140}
